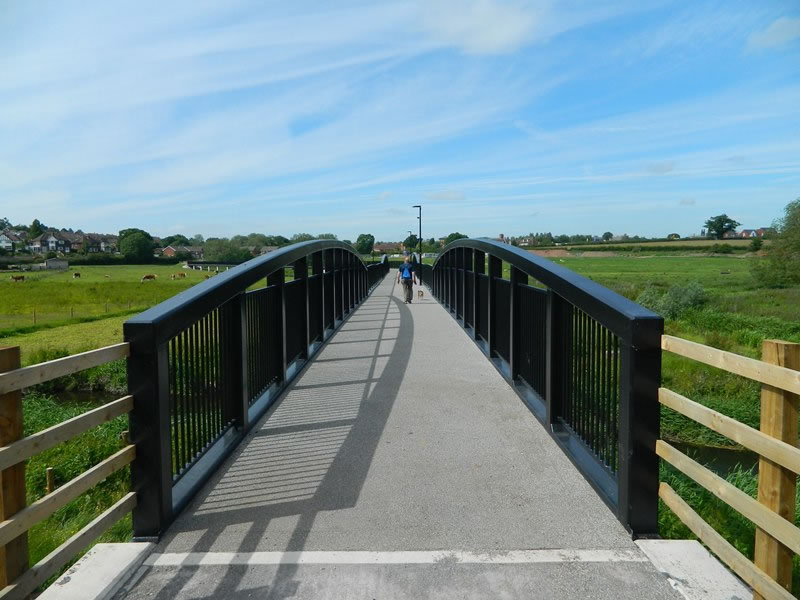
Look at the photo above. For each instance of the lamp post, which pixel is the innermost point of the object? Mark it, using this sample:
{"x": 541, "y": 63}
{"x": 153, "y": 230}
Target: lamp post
{"x": 409, "y": 235}
{"x": 419, "y": 206}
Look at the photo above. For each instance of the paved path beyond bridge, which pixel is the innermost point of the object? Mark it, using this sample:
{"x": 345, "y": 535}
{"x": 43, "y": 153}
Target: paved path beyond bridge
{"x": 400, "y": 464}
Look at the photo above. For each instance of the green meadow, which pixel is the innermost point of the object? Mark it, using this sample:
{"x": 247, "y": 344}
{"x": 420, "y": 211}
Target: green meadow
{"x": 57, "y": 296}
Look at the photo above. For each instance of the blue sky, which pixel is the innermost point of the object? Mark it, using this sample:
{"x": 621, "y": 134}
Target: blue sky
{"x": 280, "y": 117}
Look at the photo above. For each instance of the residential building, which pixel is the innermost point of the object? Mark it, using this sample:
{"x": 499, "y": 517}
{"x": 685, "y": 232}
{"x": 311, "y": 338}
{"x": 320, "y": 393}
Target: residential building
{"x": 12, "y": 240}
{"x": 387, "y": 248}
{"x": 196, "y": 252}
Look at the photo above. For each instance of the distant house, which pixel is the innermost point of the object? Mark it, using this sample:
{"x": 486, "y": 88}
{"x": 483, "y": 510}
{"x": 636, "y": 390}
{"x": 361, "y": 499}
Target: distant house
{"x": 388, "y": 248}
{"x": 50, "y": 241}
{"x": 196, "y": 252}
{"x": 12, "y": 240}
{"x": 526, "y": 241}
{"x": 754, "y": 233}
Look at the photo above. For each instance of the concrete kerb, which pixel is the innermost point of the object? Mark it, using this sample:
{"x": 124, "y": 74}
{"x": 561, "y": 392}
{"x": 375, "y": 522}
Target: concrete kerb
{"x": 100, "y": 573}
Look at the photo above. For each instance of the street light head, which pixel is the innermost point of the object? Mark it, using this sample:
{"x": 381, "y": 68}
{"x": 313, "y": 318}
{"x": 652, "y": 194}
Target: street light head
{"x": 417, "y": 206}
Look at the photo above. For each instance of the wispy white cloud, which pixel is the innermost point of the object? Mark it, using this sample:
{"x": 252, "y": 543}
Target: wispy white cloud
{"x": 781, "y": 31}
{"x": 482, "y": 109}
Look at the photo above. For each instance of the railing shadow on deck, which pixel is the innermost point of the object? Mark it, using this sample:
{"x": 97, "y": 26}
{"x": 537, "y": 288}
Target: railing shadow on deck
{"x": 311, "y": 452}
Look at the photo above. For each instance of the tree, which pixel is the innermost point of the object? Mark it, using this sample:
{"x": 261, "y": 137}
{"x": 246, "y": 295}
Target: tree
{"x": 126, "y": 232}
{"x": 411, "y": 242}
{"x": 327, "y": 236}
{"x": 301, "y": 237}
{"x": 607, "y": 236}
{"x": 347, "y": 242}
{"x": 781, "y": 265}
{"x": 197, "y": 240}
{"x": 276, "y": 240}
{"x": 136, "y": 247}
{"x": 365, "y": 243}
{"x": 4, "y": 224}
{"x": 755, "y": 244}
{"x": 176, "y": 240}
{"x": 36, "y": 229}
{"x": 454, "y": 236}
{"x": 720, "y": 225}
{"x": 225, "y": 251}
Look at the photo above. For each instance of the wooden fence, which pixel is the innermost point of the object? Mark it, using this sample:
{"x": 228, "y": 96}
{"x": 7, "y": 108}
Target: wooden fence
{"x": 773, "y": 513}
{"x": 17, "y": 579}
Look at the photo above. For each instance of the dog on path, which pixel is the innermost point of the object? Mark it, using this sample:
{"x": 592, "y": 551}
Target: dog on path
{"x": 420, "y": 293}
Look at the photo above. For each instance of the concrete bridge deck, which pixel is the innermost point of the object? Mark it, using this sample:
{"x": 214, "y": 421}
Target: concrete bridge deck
{"x": 399, "y": 465}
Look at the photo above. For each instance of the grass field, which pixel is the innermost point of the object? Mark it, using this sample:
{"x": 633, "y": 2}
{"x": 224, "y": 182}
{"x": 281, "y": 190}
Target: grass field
{"x": 57, "y": 296}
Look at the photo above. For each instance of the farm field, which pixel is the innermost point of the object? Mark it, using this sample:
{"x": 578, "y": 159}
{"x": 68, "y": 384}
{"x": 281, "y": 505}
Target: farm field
{"x": 48, "y": 296}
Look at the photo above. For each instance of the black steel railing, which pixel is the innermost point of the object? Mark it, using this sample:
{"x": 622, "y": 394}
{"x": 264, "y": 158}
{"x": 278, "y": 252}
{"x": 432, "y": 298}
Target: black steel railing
{"x": 208, "y": 362}
{"x": 586, "y": 360}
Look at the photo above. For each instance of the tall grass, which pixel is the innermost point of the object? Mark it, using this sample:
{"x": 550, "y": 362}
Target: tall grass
{"x": 68, "y": 460}
{"x": 735, "y": 528}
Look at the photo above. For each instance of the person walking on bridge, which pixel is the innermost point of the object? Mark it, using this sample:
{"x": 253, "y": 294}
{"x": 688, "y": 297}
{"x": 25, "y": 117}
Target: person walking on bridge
{"x": 407, "y": 273}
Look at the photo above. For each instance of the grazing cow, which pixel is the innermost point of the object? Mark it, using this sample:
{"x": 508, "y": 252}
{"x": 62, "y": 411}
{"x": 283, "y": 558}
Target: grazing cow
{"x": 208, "y": 276}
{"x": 181, "y": 275}
{"x": 172, "y": 276}
{"x": 107, "y": 276}
{"x": 76, "y": 275}
{"x": 149, "y": 277}
{"x": 18, "y": 278}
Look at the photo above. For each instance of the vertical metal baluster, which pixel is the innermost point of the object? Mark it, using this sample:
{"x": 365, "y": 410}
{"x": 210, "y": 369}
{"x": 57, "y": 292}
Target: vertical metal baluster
{"x": 173, "y": 412}
{"x": 218, "y": 317}
{"x": 184, "y": 400}
{"x": 615, "y": 412}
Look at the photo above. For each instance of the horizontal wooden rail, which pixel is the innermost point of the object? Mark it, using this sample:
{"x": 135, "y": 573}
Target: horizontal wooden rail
{"x": 752, "y": 575}
{"x": 34, "y": 374}
{"x": 776, "y": 450}
{"x": 43, "y": 440}
{"x": 46, "y": 506}
{"x": 769, "y": 521}
{"x": 757, "y": 370}
{"x": 50, "y": 564}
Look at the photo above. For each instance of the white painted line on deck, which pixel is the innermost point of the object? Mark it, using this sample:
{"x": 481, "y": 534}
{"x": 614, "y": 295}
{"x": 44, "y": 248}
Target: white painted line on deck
{"x": 194, "y": 559}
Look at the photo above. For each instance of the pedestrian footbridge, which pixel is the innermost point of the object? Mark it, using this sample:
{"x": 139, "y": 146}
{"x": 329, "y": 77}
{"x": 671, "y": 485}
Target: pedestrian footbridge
{"x": 298, "y": 431}
{"x": 398, "y": 464}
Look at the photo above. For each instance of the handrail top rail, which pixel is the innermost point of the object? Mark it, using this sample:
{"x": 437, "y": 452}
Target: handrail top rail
{"x": 621, "y": 315}
{"x": 174, "y": 314}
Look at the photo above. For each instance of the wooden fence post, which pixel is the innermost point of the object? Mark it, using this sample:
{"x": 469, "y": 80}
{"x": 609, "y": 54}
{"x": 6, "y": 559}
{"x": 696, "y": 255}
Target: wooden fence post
{"x": 14, "y": 555}
{"x": 777, "y": 486}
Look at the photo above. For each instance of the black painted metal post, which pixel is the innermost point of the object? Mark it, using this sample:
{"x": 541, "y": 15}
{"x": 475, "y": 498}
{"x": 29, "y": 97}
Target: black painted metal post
{"x": 480, "y": 269}
{"x": 318, "y": 328}
{"x": 518, "y": 278}
{"x": 151, "y": 472}
{"x": 639, "y": 427}
{"x": 495, "y": 271}
{"x": 279, "y": 278}
{"x": 328, "y": 268}
{"x": 240, "y": 398}
{"x": 462, "y": 287}
{"x": 301, "y": 274}
{"x": 469, "y": 271}
{"x": 557, "y": 355}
